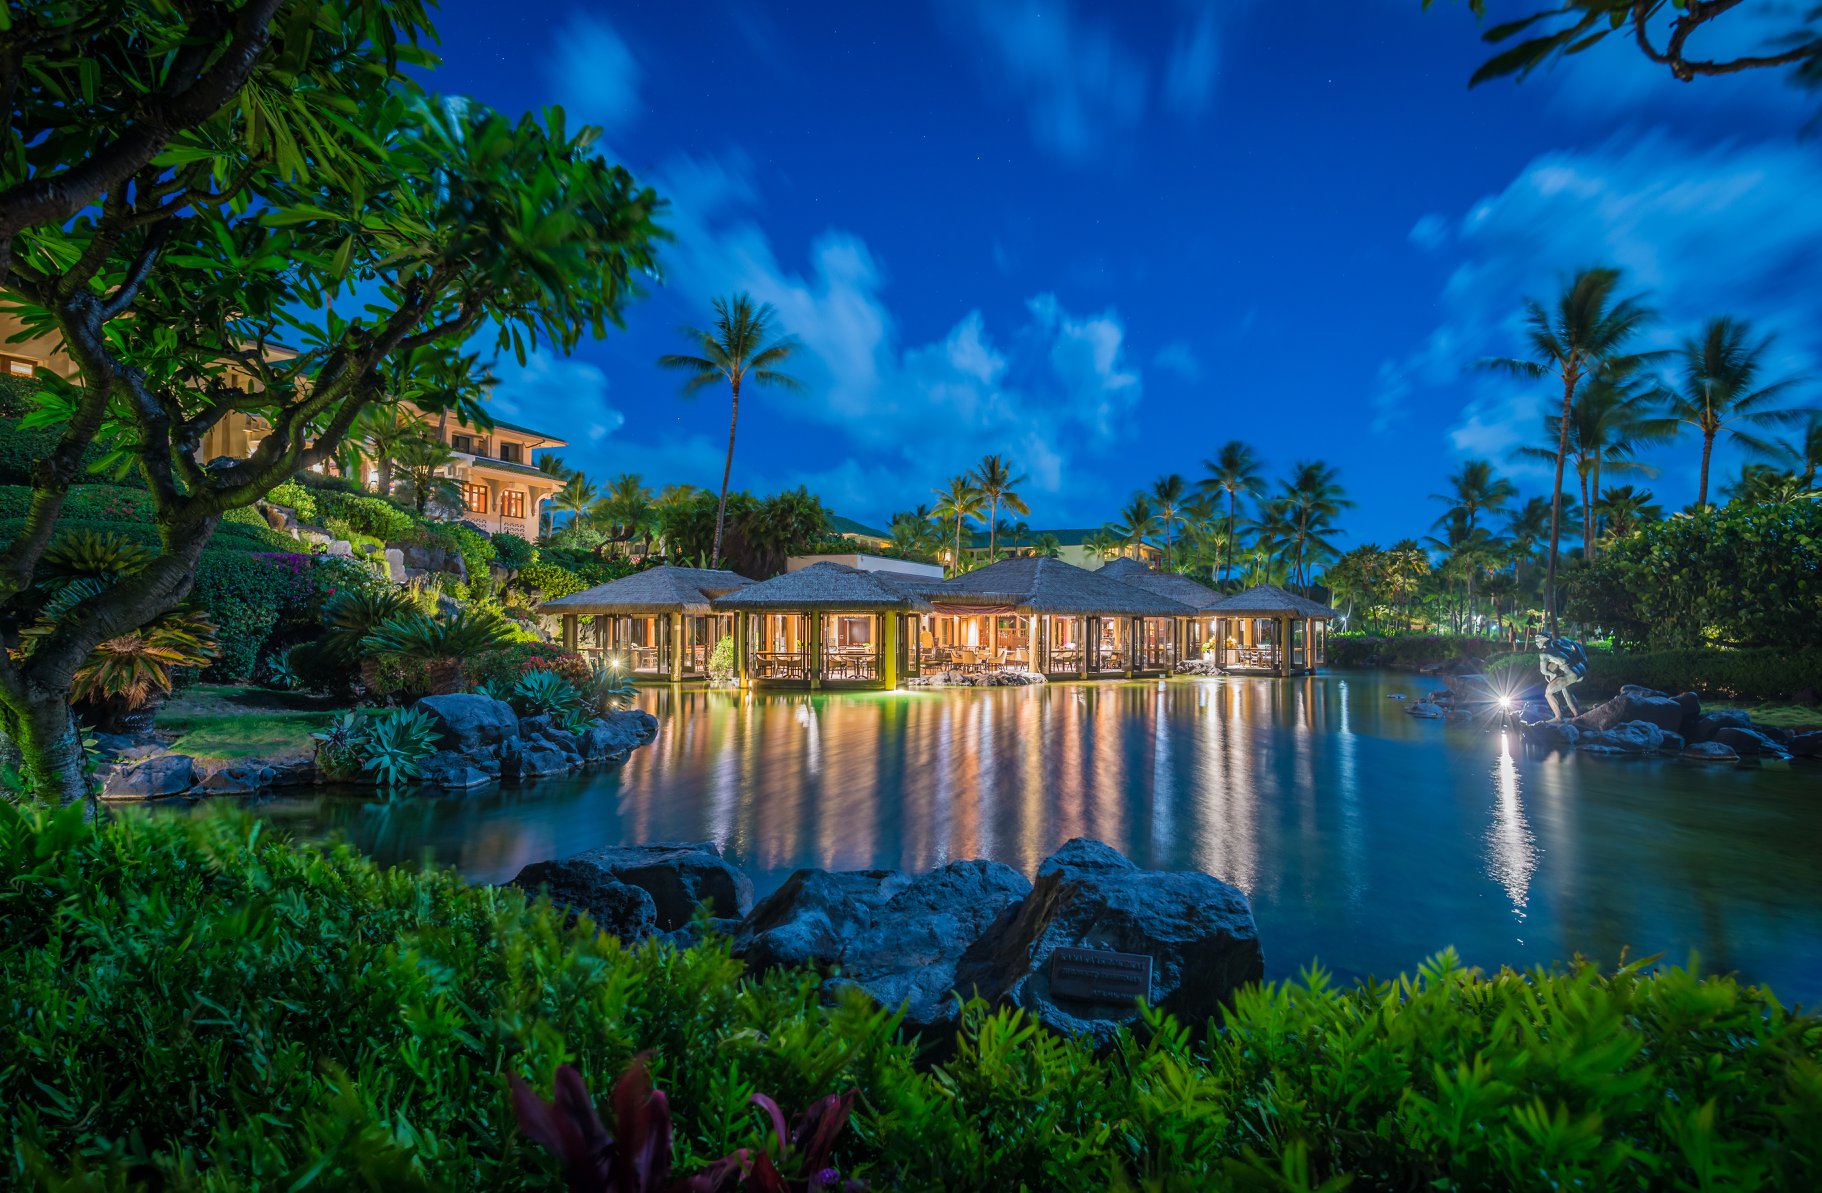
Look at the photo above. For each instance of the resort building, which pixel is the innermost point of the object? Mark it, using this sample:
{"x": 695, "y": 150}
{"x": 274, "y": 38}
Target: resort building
{"x": 501, "y": 489}
{"x": 1268, "y": 631}
{"x": 1072, "y": 547}
{"x": 1043, "y": 614}
{"x": 865, "y": 537}
{"x": 1194, "y": 632}
{"x": 659, "y": 623}
{"x": 825, "y": 626}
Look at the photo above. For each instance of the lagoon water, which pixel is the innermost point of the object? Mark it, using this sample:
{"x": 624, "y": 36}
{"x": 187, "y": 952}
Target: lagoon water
{"x": 1366, "y": 839}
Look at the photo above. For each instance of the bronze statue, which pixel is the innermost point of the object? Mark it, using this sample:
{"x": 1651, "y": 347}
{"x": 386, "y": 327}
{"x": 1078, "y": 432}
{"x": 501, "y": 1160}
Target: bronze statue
{"x": 1564, "y": 664}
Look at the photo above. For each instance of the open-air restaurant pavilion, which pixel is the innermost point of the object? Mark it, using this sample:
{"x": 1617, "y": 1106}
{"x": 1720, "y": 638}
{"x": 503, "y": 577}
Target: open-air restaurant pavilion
{"x": 828, "y": 625}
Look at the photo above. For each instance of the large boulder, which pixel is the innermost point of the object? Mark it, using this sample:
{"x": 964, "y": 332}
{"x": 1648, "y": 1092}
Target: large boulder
{"x": 625, "y": 729}
{"x": 1198, "y": 931}
{"x": 1708, "y": 726}
{"x": 1746, "y": 740}
{"x": 1691, "y": 704}
{"x": 1471, "y": 688}
{"x": 468, "y": 721}
{"x": 1633, "y": 737}
{"x": 810, "y": 919}
{"x": 535, "y": 758}
{"x": 1805, "y": 745}
{"x": 677, "y": 876}
{"x": 1558, "y": 734}
{"x": 1425, "y": 709}
{"x": 1710, "y": 751}
{"x": 1635, "y": 704}
{"x": 241, "y": 778}
{"x": 618, "y": 908}
{"x": 456, "y": 771}
{"x": 165, "y": 774}
{"x": 907, "y": 956}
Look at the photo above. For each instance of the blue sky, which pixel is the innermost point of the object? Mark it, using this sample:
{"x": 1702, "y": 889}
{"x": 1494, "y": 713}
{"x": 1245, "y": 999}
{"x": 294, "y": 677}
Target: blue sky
{"x": 1105, "y": 238}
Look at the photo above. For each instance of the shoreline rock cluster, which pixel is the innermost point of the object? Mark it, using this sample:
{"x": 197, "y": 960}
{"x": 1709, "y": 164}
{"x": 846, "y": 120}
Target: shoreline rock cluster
{"x": 1638, "y": 721}
{"x": 481, "y": 740}
{"x": 952, "y": 678}
{"x": 919, "y": 941}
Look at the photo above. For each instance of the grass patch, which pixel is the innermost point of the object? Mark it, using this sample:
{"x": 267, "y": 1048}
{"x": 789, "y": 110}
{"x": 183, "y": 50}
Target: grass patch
{"x": 1783, "y": 716}
{"x": 231, "y": 723}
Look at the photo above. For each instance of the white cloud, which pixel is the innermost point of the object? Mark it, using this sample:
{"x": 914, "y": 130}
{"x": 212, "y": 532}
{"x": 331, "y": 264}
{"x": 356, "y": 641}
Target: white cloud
{"x": 1731, "y": 229}
{"x": 556, "y": 394}
{"x": 1189, "y": 79}
{"x": 594, "y": 75}
{"x": 1430, "y": 232}
{"x": 1081, "y": 88}
{"x": 1179, "y": 358}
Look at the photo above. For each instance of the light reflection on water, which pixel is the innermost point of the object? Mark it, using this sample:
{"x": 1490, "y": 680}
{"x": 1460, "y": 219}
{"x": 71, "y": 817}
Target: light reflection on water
{"x": 1365, "y": 838}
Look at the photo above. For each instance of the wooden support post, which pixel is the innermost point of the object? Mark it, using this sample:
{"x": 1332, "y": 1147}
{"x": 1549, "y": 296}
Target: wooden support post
{"x": 889, "y": 652}
{"x": 1087, "y": 625}
{"x": 677, "y": 648}
{"x": 1284, "y": 647}
{"x": 569, "y": 631}
{"x": 1131, "y": 644}
{"x": 814, "y": 670}
{"x": 740, "y": 649}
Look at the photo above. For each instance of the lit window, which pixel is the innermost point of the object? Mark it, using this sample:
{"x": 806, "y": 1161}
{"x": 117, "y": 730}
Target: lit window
{"x": 474, "y": 498}
{"x": 16, "y": 366}
{"x": 512, "y": 504}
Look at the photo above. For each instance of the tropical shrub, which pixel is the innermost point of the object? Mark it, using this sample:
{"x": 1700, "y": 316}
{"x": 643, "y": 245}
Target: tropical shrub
{"x": 270, "y": 978}
{"x": 1406, "y": 650}
{"x": 1763, "y": 674}
{"x": 513, "y": 552}
{"x": 592, "y": 568}
{"x": 295, "y": 498}
{"x": 548, "y": 581}
{"x": 373, "y": 516}
{"x": 721, "y": 660}
{"x": 338, "y": 747}
{"x": 279, "y": 673}
{"x": 85, "y": 503}
{"x": 501, "y": 669}
{"x": 393, "y": 745}
{"x": 608, "y": 688}
{"x": 546, "y": 693}
{"x": 122, "y": 675}
{"x": 1742, "y": 575}
{"x": 475, "y": 548}
{"x": 352, "y": 614}
{"x": 16, "y": 394}
{"x": 22, "y": 447}
{"x": 412, "y": 635}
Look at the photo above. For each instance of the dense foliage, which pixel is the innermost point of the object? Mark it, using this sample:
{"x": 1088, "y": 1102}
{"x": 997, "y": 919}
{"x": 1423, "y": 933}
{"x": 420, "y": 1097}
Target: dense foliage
{"x": 1740, "y": 575}
{"x": 1763, "y": 674}
{"x": 180, "y": 987}
{"x": 1405, "y": 650}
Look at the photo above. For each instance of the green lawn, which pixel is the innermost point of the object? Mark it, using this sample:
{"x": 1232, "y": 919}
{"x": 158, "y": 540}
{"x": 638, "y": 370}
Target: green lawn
{"x": 228, "y": 723}
{"x": 1784, "y": 716}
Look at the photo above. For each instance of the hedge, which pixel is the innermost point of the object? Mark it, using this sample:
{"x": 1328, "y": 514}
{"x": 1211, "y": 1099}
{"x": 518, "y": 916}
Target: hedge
{"x": 22, "y": 448}
{"x": 367, "y": 515}
{"x": 1761, "y": 674}
{"x": 198, "y": 1003}
{"x": 1406, "y": 650}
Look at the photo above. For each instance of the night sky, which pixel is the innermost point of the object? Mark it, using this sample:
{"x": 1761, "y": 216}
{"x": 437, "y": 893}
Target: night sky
{"x": 1103, "y": 239}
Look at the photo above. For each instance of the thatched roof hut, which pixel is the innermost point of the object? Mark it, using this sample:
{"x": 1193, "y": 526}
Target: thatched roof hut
{"x": 1198, "y": 597}
{"x": 1124, "y": 568}
{"x": 1268, "y": 600}
{"x": 824, "y": 586}
{"x": 652, "y": 593}
{"x": 1036, "y": 584}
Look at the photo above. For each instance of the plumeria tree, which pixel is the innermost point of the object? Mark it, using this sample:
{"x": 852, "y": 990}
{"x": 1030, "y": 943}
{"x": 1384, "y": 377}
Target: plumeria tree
{"x": 171, "y": 249}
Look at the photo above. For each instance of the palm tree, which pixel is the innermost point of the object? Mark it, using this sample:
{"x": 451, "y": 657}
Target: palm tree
{"x": 736, "y": 349}
{"x": 1720, "y": 390}
{"x": 1137, "y": 522}
{"x": 957, "y": 503}
{"x": 1610, "y": 421}
{"x": 1102, "y": 543}
{"x": 1047, "y": 546}
{"x": 577, "y": 496}
{"x": 626, "y": 509}
{"x": 421, "y": 461}
{"x": 1475, "y": 490}
{"x": 1806, "y": 449}
{"x": 993, "y": 480}
{"x": 1406, "y": 565}
{"x": 1168, "y": 494}
{"x": 1588, "y": 328}
{"x": 1526, "y": 527}
{"x": 1018, "y": 532}
{"x": 379, "y": 431}
{"x": 1624, "y": 510}
{"x": 1314, "y": 498}
{"x": 1234, "y": 472}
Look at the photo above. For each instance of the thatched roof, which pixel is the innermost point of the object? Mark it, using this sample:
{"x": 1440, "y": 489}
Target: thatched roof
{"x": 824, "y": 586}
{"x": 1181, "y": 589}
{"x": 655, "y": 591}
{"x": 1268, "y": 600}
{"x": 1124, "y": 568}
{"x": 1043, "y": 585}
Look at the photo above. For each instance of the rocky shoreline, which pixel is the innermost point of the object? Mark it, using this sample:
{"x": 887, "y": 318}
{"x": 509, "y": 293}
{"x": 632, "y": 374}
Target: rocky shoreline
{"x": 918, "y": 941}
{"x": 480, "y": 740}
{"x": 1639, "y": 721}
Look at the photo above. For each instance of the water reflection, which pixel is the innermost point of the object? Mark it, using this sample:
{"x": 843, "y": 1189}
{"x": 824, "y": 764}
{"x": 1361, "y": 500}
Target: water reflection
{"x": 1364, "y": 837}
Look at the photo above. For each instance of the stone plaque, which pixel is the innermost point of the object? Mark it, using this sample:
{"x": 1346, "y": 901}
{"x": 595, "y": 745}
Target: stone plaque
{"x": 1094, "y": 975}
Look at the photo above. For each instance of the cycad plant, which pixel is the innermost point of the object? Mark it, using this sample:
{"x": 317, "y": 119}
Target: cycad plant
{"x": 124, "y": 674}
{"x": 423, "y": 482}
{"x": 353, "y": 613}
{"x": 460, "y": 635}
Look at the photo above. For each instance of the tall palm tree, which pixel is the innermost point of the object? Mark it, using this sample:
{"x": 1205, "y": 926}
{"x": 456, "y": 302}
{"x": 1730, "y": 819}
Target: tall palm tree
{"x": 1609, "y": 422}
{"x": 379, "y": 432}
{"x": 626, "y": 510}
{"x": 1137, "y": 523}
{"x": 1168, "y": 494}
{"x": 1314, "y": 499}
{"x": 1588, "y": 328}
{"x": 1102, "y": 543}
{"x": 1526, "y": 527}
{"x": 739, "y": 348}
{"x": 1046, "y": 546}
{"x": 1234, "y": 473}
{"x": 958, "y": 503}
{"x": 1406, "y": 566}
{"x": 1805, "y": 451}
{"x": 1720, "y": 390}
{"x": 994, "y": 481}
{"x": 1624, "y": 510}
{"x": 577, "y": 495}
{"x": 1475, "y": 490}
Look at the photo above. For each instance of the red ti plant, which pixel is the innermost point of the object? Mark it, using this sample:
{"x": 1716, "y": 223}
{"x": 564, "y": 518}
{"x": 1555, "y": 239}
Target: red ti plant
{"x": 636, "y": 1158}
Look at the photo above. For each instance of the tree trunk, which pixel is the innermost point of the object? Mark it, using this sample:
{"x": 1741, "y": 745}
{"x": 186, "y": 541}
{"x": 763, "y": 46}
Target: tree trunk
{"x": 1570, "y": 376}
{"x": 727, "y": 470}
{"x": 1587, "y": 521}
{"x": 993, "y": 527}
{"x": 43, "y": 727}
{"x": 1701, "y": 498}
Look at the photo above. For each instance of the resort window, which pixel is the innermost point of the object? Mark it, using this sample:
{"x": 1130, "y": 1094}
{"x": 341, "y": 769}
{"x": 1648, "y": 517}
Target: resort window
{"x": 16, "y": 366}
{"x": 512, "y": 504}
{"x": 474, "y": 498}
{"x": 512, "y": 453}
{"x": 463, "y": 443}
{"x": 847, "y": 647}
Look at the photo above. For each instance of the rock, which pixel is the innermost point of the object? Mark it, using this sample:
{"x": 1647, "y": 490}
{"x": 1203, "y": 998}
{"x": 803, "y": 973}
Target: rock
{"x": 908, "y": 956}
{"x": 1748, "y": 741}
{"x": 618, "y": 908}
{"x": 1806, "y": 745}
{"x": 1532, "y": 711}
{"x": 626, "y": 729}
{"x": 1198, "y": 931}
{"x": 1691, "y": 705}
{"x": 395, "y": 565}
{"x": 342, "y": 548}
{"x": 534, "y": 758}
{"x": 457, "y": 771}
{"x": 240, "y": 779}
{"x": 602, "y": 743}
{"x": 113, "y": 745}
{"x": 1709, "y": 725}
{"x": 1424, "y": 709}
{"x": 469, "y": 721}
{"x": 1710, "y": 751}
{"x": 692, "y": 933}
{"x": 1635, "y": 704}
{"x": 678, "y": 876}
{"x": 1633, "y": 737}
{"x": 1552, "y": 733}
{"x": 1471, "y": 687}
{"x": 1003, "y": 679}
{"x": 166, "y": 774}
{"x": 810, "y": 919}
{"x": 291, "y": 772}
